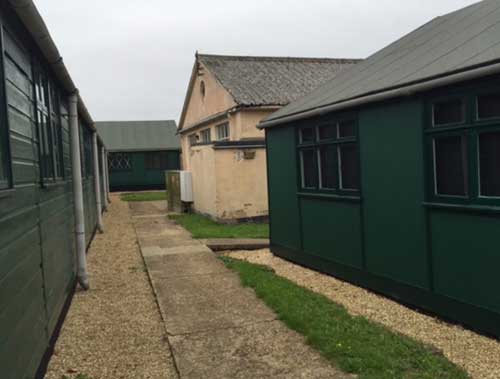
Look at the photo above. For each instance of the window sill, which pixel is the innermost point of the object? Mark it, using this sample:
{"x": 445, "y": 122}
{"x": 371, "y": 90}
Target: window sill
{"x": 482, "y": 209}
{"x": 329, "y": 197}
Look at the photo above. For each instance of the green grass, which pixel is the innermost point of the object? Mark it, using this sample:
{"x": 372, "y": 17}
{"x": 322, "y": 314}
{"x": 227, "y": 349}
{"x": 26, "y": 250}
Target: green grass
{"x": 144, "y": 196}
{"x": 203, "y": 227}
{"x": 353, "y": 344}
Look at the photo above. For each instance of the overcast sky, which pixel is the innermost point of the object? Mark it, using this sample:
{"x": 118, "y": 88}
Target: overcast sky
{"x": 132, "y": 59}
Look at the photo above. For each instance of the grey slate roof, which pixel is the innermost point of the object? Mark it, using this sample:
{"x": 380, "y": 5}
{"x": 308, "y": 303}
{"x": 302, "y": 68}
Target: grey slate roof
{"x": 139, "y": 135}
{"x": 254, "y": 81}
{"x": 456, "y": 42}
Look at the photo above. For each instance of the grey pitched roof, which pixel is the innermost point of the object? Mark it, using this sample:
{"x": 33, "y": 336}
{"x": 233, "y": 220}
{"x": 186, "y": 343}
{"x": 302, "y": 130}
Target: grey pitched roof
{"x": 254, "y": 81}
{"x": 457, "y": 42}
{"x": 139, "y": 135}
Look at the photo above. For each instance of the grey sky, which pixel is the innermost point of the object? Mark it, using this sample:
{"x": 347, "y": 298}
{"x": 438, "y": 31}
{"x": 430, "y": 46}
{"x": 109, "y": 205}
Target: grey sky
{"x": 132, "y": 59}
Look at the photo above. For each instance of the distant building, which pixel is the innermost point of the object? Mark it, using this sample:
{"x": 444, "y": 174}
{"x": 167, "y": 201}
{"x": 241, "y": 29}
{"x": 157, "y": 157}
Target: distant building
{"x": 388, "y": 176}
{"x": 140, "y": 152}
{"x": 227, "y": 97}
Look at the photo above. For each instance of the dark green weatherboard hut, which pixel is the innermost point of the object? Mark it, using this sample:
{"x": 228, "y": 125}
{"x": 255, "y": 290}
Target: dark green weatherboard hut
{"x": 388, "y": 176}
{"x": 38, "y": 110}
{"x": 140, "y": 152}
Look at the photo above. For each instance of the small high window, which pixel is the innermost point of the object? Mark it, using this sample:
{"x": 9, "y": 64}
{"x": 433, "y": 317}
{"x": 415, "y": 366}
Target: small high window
{"x": 448, "y": 112}
{"x": 488, "y": 106}
{"x": 489, "y": 164}
{"x": 120, "y": 161}
{"x": 223, "y": 132}
{"x": 206, "y": 136}
{"x": 307, "y": 135}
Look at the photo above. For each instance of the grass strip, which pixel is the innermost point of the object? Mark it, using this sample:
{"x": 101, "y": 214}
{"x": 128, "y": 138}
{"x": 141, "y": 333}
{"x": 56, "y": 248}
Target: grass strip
{"x": 354, "y": 344}
{"x": 203, "y": 227}
{"x": 144, "y": 196}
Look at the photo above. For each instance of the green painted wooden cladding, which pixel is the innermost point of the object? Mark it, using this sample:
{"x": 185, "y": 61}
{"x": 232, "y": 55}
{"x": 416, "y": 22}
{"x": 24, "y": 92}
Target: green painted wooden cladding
{"x": 37, "y": 246}
{"x": 390, "y": 240}
{"x": 139, "y": 175}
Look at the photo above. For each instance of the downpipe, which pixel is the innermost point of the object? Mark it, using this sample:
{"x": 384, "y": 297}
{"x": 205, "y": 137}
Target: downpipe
{"x": 97, "y": 183}
{"x": 82, "y": 275}
{"x": 104, "y": 163}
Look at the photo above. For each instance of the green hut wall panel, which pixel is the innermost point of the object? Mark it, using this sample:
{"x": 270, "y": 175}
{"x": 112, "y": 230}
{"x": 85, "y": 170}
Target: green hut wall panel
{"x": 332, "y": 231}
{"x": 285, "y": 225}
{"x": 139, "y": 176}
{"x": 391, "y": 151}
{"x": 457, "y": 255}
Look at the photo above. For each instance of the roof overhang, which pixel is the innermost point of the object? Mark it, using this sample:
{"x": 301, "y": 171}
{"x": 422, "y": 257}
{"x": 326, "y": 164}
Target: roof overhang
{"x": 404, "y": 91}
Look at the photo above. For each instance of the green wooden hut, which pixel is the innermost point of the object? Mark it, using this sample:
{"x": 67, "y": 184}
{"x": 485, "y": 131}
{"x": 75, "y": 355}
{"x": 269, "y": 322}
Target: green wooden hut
{"x": 389, "y": 175}
{"x": 44, "y": 129}
{"x": 140, "y": 152}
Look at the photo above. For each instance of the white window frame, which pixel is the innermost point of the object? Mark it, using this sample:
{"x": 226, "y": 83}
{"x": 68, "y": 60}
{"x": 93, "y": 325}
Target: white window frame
{"x": 223, "y": 132}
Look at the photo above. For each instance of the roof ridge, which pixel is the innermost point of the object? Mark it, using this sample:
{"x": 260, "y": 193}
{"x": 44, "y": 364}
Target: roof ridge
{"x": 278, "y": 58}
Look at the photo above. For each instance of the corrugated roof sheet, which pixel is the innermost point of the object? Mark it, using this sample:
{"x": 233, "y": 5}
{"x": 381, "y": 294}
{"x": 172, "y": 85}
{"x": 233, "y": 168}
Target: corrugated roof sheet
{"x": 254, "y": 81}
{"x": 139, "y": 135}
{"x": 458, "y": 41}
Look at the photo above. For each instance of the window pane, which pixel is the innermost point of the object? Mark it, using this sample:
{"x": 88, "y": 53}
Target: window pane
{"x": 488, "y": 106}
{"x": 309, "y": 173}
{"x": 46, "y": 150}
{"x": 223, "y": 131}
{"x": 451, "y": 165}
{"x": 205, "y": 136}
{"x": 349, "y": 166}
{"x": 307, "y": 135}
{"x": 448, "y": 112}
{"x": 328, "y": 131}
{"x": 347, "y": 129}
{"x": 489, "y": 161}
{"x": 328, "y": 167}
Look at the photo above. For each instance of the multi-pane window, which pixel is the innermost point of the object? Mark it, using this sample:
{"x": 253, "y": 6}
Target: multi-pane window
{"x": 222, "y": 131}
{"x": 329, "y": 157}
{"x": 49, "y": 129}
{"x": 120, "y": 161}
{"x": 206, "y": 136}
{"x": 156, "y": 161}
{"x": 464, "y": 143}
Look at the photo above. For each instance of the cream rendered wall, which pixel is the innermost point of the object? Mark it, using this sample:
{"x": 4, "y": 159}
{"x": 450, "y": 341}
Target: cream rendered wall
{"x": 203, "y": 169}
{"x": 241, "y": 184}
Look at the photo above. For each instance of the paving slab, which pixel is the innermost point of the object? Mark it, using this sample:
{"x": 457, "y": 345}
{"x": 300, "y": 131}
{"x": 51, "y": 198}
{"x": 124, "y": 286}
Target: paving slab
{"x": 217, "y": 328}
{"x": 139, "y": 208}
{"x": 259, "y": 350}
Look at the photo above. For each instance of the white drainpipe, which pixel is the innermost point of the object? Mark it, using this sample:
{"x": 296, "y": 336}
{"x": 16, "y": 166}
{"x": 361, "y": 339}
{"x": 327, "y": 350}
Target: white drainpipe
{"x": 82, "y": 275}
{"x": 97, "y": 183}
{"x": 104, "y": 163}
{"x": 108, "y": 199}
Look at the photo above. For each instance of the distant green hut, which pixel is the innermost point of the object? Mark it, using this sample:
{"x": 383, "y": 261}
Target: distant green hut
{"x": 140, "y": 152}
{"x": 388, "y": 176}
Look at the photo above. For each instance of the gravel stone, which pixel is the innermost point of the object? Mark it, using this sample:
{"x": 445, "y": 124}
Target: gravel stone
{"x": 477, "y": 354}
{"x": 114, "y": 330}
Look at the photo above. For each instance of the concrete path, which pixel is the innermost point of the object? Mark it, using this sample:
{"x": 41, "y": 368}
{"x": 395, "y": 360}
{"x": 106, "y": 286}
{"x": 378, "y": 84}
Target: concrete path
{"x": 216, "y": 328}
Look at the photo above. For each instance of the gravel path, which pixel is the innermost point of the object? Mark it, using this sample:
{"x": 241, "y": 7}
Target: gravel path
{"x": 477, "y": 354}
{"x": 114, "y": 330}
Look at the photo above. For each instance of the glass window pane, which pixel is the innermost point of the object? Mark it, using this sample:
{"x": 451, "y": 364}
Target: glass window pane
{"x": 489, "y": 163}
{"x": 448, "y": 112}
{"x": 307, "y": 135}
{"x": 451, "y": 165}
{"x": 328, "y": 167}
{"x": 488, "y": 106}
{"x": 308, "y": 166}
{"x": 347, "y": 128}
{"x": 349, "y": 166}
{"x": 327, "y": 131}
